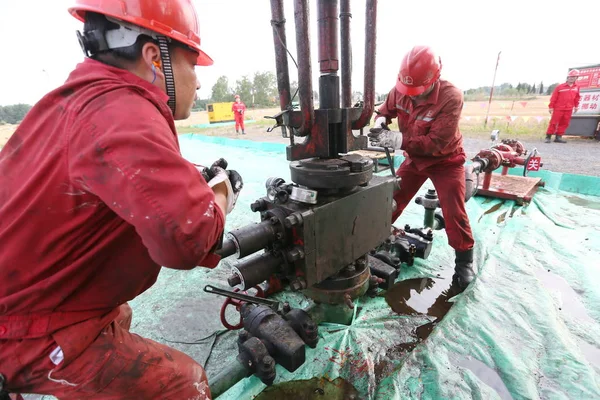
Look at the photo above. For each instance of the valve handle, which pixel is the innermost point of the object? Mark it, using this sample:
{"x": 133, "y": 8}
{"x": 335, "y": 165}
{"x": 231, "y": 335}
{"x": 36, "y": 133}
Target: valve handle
{"x": 237, "y": 304}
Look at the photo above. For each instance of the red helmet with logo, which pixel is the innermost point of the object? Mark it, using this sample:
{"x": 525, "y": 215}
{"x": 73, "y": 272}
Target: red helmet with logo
{"x": 420, "y": 69}
{"x": 175, "y": 19}
{"x": 574, "y": 72}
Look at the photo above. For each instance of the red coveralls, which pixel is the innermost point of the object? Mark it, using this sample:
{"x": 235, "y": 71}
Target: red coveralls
{"x": 238, "y": 112}
{"x": 433, "y": 145}
{"x": 564, "y": 98}
{"x": 94, "y": 197}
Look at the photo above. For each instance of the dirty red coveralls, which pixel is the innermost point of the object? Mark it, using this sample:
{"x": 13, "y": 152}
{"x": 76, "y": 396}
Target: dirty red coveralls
{"x": 238, "y": 112}
{"x": 95, "y": 197}
{"x": 564, "y": 98}
{"x": 433, "y": 144}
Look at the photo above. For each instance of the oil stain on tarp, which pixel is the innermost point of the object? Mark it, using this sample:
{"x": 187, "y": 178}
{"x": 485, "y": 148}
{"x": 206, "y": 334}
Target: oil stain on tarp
{"x": 311, "y": 389}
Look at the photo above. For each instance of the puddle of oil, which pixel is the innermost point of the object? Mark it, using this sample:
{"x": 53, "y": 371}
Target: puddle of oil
{"x": 578, "y": 201}
{"x": 501, "y": 218}
{"x": 394, "y": 355}
{"x": 315, "y": 388}
{"x": 491, "y": 210}
{"x": 421, "y": 296}
{"x": 485, "y": 374}
{"x": 424, "y": 296}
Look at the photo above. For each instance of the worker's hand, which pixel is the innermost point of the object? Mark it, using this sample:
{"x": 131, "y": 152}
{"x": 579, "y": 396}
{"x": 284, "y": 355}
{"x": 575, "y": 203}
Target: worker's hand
{"x": 208, "y": 173}
{"x": 217, "y": 175}
{"x": 379, "y": 125}
{"x": 550, "y": 110}
{"x": 237, "y": 183}
{"x": 232, "y": 182}
{"x": 386, "y": 138}
{"x": 574, "y": 110}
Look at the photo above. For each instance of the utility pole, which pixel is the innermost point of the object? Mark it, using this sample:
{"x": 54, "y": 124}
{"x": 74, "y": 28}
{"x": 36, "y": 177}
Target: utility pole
{"x": 487, "y": 114}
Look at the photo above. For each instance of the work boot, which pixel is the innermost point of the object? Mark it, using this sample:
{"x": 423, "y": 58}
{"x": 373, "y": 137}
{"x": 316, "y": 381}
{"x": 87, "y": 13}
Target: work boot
{"x": 463, "y": 271}
{"x": 548, "y": 138}
{"x": 237, "y": 132}
{"x": 243, "y": 133}
{"x": 559, "y": 139}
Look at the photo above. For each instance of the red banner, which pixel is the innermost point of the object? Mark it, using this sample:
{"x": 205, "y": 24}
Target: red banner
{"x": 589, "y": 78}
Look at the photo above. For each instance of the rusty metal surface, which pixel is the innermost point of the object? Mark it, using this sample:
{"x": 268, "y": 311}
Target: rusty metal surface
{"x": 327, "y": 21}
{"x": 370, "y": 52}
{"x": 346, "y": 53}
{"x": 338, "y": 233}
{"x": 511, "y": 187}
{"x": 342, "y": 287}
{"x": 318, "y": 143}
{"x": 305, "y": 89}
{"x": 332, "y": 173}
{"x": 281, "y": 57}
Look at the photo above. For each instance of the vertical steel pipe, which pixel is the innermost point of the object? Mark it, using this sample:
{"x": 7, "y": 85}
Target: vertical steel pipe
{"x": 281, "y": 57}
{"x": 304, "y": 67}
{"x": 346, "y": 55}
{"x": 370, "y": 51}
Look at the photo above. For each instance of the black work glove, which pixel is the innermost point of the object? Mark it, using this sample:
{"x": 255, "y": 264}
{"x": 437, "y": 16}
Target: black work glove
{"x": 217, "y": 173}
{"x": 208, "y": 173}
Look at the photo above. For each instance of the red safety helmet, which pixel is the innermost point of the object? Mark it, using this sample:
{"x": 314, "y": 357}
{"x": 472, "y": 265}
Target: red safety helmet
{"x": 419, "y": 70}
{"x": 574, "y": 72}
{"x": 175, "y": 19}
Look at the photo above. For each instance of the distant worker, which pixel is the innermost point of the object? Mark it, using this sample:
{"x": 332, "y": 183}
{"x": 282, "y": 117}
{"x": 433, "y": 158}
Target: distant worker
{"x": 95, "y": 197}
{"x": 563, "y": 103}
{"x": 428, "y": 111}
{"x": 239, "y": 109}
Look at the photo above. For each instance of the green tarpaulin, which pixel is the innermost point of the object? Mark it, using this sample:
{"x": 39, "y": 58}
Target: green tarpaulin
{"x": 528, "y": 328}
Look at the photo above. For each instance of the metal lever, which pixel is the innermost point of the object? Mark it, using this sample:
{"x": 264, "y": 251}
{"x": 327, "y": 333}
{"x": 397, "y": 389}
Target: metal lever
{"x": 390, "y": 161}
{"x": 273, "y": 304}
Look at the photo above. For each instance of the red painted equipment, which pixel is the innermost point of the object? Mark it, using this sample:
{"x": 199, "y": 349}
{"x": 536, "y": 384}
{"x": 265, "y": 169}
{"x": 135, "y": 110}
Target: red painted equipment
{"x": 508, "y": 154}
{"x": 238, "y": 305}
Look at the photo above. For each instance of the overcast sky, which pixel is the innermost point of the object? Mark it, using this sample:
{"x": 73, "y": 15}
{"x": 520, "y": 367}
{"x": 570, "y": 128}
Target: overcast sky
{"x": 539, "y": 41}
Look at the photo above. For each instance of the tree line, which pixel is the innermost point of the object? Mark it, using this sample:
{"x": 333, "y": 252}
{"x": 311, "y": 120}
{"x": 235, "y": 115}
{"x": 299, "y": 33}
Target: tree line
{"x": 257, "y": 91}
{"x": 13, "y": 114}
{"x": 261, "y": 91}
{"x": 508, "y": 90}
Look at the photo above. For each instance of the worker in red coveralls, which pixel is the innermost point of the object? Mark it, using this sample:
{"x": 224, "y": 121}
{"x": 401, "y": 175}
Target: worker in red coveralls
{"x": 95, "y": 197}
{"x": 428, "y": 112}
{"x": 563, "y": 103}
{"x": 238, "y": 108}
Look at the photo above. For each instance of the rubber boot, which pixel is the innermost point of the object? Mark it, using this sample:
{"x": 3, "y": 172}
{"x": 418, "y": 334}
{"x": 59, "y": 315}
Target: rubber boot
{"x": 237, "y": 132}
{"x": 243, "y": 133}
{"x": 559, "y": 139}
{"x": 463, "y": 271}
{"x": 548, "y": 138}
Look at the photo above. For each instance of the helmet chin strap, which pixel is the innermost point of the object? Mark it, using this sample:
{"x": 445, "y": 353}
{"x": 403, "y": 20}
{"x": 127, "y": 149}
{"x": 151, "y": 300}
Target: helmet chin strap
{"x": 94, "y": 42}
{"x": 167, "y": 71}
